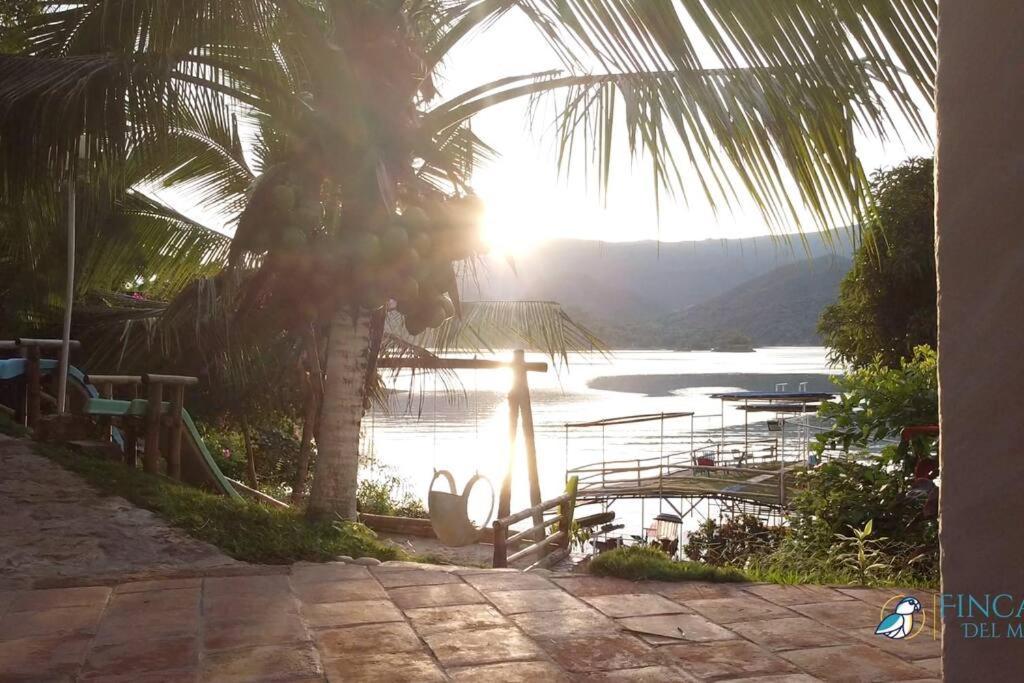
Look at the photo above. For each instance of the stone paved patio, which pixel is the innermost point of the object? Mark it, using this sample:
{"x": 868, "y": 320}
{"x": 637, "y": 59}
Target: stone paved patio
{"x": 403, "y": 622}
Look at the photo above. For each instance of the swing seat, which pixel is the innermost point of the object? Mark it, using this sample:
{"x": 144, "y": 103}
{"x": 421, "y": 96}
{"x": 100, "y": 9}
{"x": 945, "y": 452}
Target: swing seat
{"x": 449, "y": 515}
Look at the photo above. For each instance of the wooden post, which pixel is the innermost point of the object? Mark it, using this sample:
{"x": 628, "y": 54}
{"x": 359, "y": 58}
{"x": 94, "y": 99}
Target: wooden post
{"x": 505, "y": 499}
{"x": 526, "y": 411}
{"x": 33, "y": 392}
{"x": 151, "y": 456}
{"x": 174, "y": 448}
{"x": 568, "y": 511}
{"x": 107, "y": 391}
{"x": 500, "y": 548}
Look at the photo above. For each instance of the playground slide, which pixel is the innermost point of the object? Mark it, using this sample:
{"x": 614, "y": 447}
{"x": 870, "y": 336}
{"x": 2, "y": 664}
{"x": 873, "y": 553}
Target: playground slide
{"x": 197, "y": 465}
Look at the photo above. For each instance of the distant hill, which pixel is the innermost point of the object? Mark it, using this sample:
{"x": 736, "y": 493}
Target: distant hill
{"x": 778, "y": 308}
{"x": 625, "y": 282}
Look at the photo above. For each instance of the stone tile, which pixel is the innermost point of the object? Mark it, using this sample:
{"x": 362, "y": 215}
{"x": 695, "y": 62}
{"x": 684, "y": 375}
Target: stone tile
{"x": 359, "y": 589}
{"x": 91, "y": 596}
{"x": 850, "y": 614}
{"x": 50, "y": 622}
{"x": 586, "y": 586}
{"x": 42, "y": 657}
{"x": 400, "y": 667}
{"x": 335, "y": 614}
{"x": 872, "y": 596}
{"x": 511, "y": 672}
{"x": 142, "y": 656}
{"x": 636, "y": 605}
{"x": 415, "y": 577}
{"x": 570, "y": 623}
{"x": 922, "y": 646}
{"x": 796, "y": 595}
{"x": 648, "y": 674}
{"x": 486, "y": 646}
{"x": 791, "y": 633}
{"x": 332, "y": 571}
{"x": 854, "y": 663}
{"x": 691, "y": 627}
{"x": 262, "y": 664}
{"x": 158, "y": 584}
{"x": 684, "y": 591}
{"x": 380, "y": 638}
{"x": 729, "y": 610}
{"x": 728, "y": 658}
{"x": 177, "y": 676}
{"x": 263, "y": 585}
{"x": 784, "y": 678}
{"x": 428, "y": 620}
{"x": 508, "y": 581}
{"x": 148, "y": 602}
{"x": 435, "y": 596}
{"x": 248, "y": 607}
{"x": 515, "y": 602}
{"x": 588, "y": 654}
{"x": 135, "y": 625}
{"x": 279, "y": 629}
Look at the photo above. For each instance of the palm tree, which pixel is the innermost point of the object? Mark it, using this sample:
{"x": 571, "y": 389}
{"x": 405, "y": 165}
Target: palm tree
{"x": 361, "y": 190}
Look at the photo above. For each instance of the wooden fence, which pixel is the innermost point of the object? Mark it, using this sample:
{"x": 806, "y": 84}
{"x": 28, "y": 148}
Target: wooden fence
{"x": 549, "y": 548}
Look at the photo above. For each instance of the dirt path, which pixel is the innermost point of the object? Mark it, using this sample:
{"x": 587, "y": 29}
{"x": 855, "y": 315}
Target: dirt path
{"x": 56, "y": 527}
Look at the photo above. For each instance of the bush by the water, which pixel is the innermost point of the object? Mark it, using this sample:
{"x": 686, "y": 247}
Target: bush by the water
{"x": 246, "y": 531}
{"x": 732, "y": 542}
{"x": 643, "y": 562}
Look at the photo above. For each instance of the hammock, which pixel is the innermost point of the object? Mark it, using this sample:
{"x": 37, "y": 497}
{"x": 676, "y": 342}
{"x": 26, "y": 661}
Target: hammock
{"x": 449, "y": 515}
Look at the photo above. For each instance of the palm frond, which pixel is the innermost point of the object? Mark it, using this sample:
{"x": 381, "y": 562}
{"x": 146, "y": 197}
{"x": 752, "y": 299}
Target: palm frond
{"x": 490, "y": 326}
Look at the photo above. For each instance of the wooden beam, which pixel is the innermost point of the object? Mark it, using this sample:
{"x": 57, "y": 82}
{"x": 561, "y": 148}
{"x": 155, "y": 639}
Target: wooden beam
{"x": 456, "y": 364}
{"x": 46, "y": 343}
{"x": 120, "y": 380}
{"x": 183, "y": 380}
{"x": 505, "y": 498}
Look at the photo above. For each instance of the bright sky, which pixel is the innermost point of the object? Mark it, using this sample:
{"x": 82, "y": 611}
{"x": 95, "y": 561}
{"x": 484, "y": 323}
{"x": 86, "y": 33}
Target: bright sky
{"x": 527, "y": 200}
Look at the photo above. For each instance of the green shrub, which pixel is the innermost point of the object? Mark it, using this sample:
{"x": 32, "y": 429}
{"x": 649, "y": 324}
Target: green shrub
{"x": 383, "y": 492}
{"x": 11, "y": 428}
{"x": 732, "y": 542}
{"x": 643, "y": 562}
{"x": 246, "y": 531}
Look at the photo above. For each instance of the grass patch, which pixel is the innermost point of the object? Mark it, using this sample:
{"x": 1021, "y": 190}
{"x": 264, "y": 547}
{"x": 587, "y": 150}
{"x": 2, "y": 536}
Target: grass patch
{"x": 11, "y": 428}
{"x": 640, "y": 563}
{"x": 245, "y": 531}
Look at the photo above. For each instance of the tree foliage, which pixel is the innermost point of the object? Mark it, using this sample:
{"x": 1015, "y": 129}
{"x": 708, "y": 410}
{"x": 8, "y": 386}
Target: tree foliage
{"x": 877, "y": 401}
{"x": 887, "y": 303}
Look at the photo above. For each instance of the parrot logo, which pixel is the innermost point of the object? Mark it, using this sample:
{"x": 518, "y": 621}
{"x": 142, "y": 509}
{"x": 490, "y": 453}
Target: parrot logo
{"x": 900, "y": 623}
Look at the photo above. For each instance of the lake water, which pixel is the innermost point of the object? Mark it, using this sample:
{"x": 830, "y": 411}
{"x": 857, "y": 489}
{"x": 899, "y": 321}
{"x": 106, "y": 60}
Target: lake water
{"x": 427, "y": 429}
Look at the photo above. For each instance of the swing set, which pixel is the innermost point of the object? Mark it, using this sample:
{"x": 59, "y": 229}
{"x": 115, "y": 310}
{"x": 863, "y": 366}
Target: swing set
{"x": 448, "y": 510}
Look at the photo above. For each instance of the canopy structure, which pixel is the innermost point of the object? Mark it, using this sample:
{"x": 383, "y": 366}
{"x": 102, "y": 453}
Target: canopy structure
{"x": 789, "y": 396}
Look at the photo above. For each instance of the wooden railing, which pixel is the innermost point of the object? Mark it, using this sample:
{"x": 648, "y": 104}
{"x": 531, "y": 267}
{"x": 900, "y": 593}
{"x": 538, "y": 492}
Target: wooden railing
{"x": 548, "y": 548}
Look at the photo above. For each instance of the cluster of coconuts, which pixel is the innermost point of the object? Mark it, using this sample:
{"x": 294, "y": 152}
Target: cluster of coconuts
{"x": 404, "y": 259}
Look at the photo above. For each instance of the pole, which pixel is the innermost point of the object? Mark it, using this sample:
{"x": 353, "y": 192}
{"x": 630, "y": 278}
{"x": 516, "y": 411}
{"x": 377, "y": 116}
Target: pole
{"x": 529, "y": 439}
{"x": 69, "y": 292}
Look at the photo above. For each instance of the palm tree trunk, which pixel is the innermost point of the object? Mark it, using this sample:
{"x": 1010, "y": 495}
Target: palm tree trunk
{"x": 308, "y": 426}
{"x": 341, "y": 414}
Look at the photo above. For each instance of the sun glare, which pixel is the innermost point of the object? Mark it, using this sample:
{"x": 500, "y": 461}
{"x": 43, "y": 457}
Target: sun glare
{"x": 511, "y": 228}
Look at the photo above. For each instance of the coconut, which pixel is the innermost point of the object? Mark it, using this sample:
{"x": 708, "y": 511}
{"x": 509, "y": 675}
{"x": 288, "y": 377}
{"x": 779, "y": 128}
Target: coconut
{"x": 416, "y": 219}
{"x": 394, "y": 239}
{"x": 367, "y": 248}
{"x": 282, "y": 197}
{"x": 293, "y": 238}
